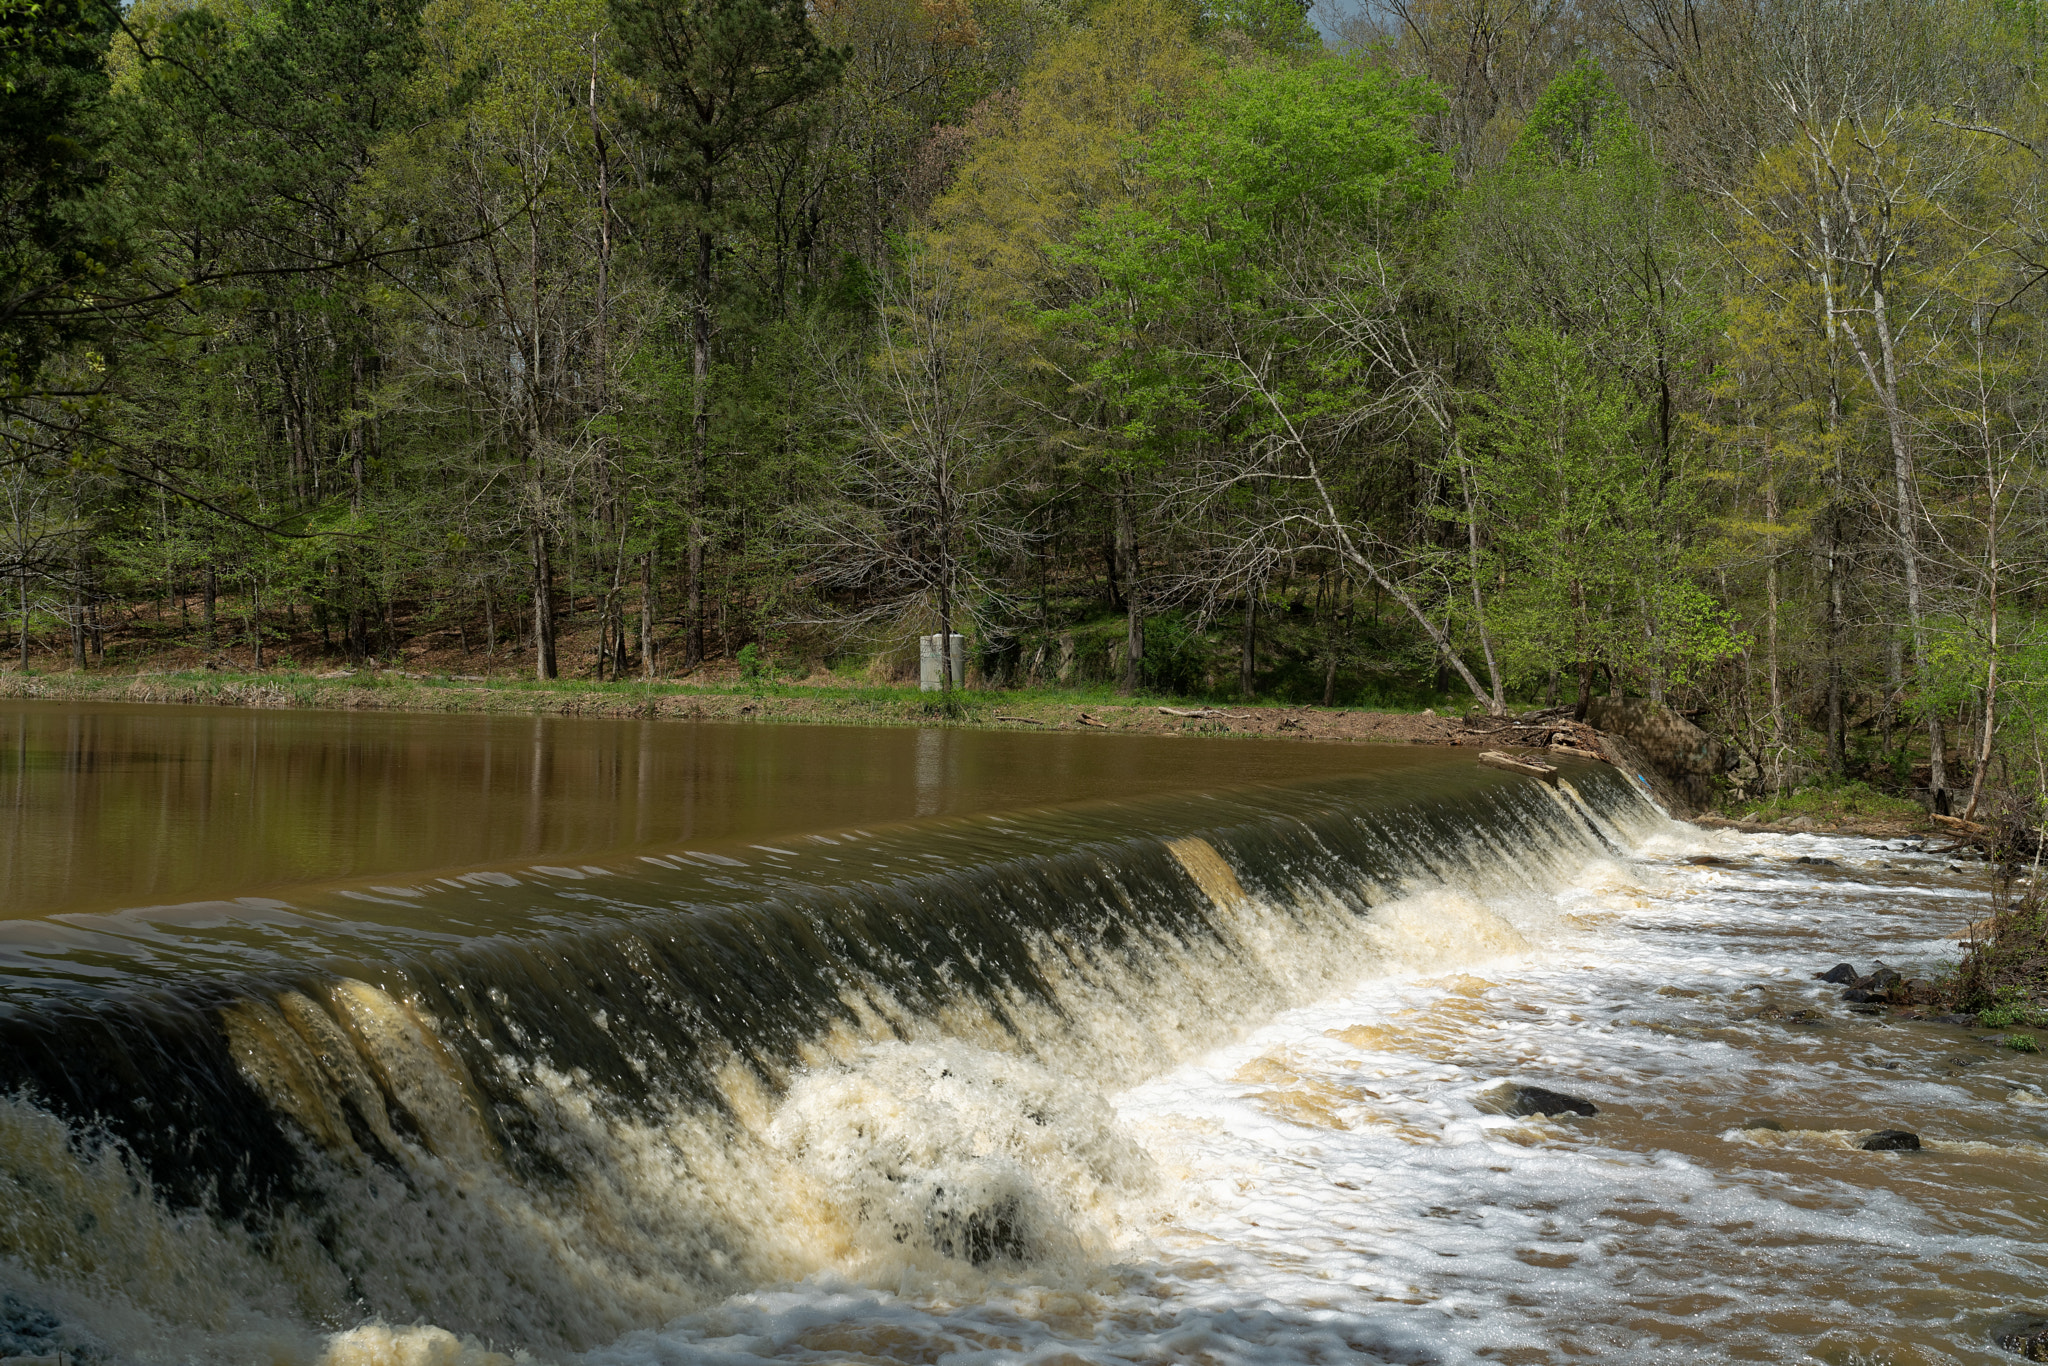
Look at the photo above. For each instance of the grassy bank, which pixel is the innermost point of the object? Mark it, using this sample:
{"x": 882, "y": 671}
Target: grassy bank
{"x": 827, "y": 700}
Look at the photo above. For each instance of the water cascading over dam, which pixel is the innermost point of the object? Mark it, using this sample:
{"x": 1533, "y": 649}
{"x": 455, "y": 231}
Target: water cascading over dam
{"x": 659, "y": 1081}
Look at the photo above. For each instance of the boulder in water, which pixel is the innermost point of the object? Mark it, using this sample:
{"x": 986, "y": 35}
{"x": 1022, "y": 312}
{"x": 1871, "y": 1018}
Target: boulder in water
{"x": 1538, "y": 1100}
{"x": 1842, "y": 974}
{"x": 1891, "y": 1141}
{"x": 2029, "y": 1346}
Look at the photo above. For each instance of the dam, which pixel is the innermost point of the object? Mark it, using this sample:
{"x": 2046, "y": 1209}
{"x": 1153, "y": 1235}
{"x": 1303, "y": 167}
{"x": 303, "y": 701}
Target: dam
{"x": 348, "y": 1039}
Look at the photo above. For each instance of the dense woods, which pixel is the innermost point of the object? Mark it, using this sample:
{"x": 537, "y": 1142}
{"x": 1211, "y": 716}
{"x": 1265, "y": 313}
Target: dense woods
{"x": 1520, "y": 351}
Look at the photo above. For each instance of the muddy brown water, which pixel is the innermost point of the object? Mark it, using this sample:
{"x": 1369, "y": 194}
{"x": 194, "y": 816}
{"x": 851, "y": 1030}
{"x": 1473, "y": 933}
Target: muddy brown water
{"x": 119, "y": 806}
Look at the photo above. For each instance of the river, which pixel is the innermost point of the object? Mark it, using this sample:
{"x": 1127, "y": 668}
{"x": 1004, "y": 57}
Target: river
{"x": 429, "y": 1041}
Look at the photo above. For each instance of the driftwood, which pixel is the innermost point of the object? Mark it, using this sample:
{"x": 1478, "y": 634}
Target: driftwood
{"x": 1087, "y": 720}
{"x": 1025, "y": 719}
{"x": 1957, "y": 823}
{"x": 1528, "y": 768}
{"x": 1554, "y": 730}
{"x": 1201, "y": 713}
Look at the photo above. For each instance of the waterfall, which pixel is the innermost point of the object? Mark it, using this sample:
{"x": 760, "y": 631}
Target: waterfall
{"x": 650, "y": 1087}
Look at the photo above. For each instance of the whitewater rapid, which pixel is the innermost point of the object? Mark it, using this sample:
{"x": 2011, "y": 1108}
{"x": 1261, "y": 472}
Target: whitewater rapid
{"x": 1221, "y": 1080}
{"x": 1340, "y": 1185}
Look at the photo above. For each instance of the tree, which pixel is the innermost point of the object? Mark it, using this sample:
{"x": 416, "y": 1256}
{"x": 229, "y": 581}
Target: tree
{"x": 721, "y": 77}
{"x": 918, "y": 511}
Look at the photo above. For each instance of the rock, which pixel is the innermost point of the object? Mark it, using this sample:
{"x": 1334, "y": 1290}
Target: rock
{"x": 1891, "y": 1141}
{"x": 1858, "y": 994}
{"x": 1967, "y": 1021}
{"x": 2031, "y": 1346}
{"x": 1671, "y": 742}
{"x": 1883, "y": 978}
{"x": 1810, "y": 860}
{"x": 1841, "y": 974}
{"x": 1917, "y": 989}
{"x": 1799, "y": 823}
{"x": 1710, "y": 861}
{"x": 1537, "y": 1100}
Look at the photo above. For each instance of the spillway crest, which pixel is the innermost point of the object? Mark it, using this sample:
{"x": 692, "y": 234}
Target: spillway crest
{"x": 864, "y": 1054}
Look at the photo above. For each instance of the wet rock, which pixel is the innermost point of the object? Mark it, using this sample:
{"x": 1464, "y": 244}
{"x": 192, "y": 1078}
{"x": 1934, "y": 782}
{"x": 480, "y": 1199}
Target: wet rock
{"x": 1882, "y": 979}
{"x": 1968, "y": 1021}
{"x": 2031, "y": 1346}
{"x": 1891, "y": 1141}
{"x": 1538, "y": 1100}
{"x": 1841, "y": 974}
{"x": 1811, "y": 861}
{"x": 1917, "y": 989}
{"x": 1710, "y": 861}
{"x": 1859, "y": 994}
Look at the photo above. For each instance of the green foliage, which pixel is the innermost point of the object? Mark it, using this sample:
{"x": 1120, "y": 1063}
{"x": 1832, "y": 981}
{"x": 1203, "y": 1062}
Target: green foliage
{"x": 1566, "y": 466}
{"x": 753, "y": 664}
{"x": 1175, "y": 655}
{"x": 1579, "y": 122}
{"x": 59, "y": 234}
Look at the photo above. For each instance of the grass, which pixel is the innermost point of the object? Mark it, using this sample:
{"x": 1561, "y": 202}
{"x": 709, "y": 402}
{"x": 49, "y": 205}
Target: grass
{"x": 825, "y": 698}
{"x": 1846, "y": 801}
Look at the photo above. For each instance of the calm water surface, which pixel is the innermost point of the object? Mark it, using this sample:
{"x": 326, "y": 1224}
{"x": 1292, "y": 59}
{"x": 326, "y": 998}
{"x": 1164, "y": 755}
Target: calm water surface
{"x": 112, "y": 807}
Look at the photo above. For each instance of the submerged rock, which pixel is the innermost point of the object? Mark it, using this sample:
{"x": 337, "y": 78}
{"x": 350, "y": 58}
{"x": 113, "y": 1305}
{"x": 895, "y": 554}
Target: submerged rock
{"x": 1891, "y": 1141}
{"x": 1841, "y": 974}
{"x": 1538, "y": 1100}
{"x": 1817, "y": 862}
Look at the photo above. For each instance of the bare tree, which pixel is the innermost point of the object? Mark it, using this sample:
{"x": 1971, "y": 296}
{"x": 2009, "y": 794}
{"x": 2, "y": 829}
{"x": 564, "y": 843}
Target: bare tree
{"x": 908, "y": 536}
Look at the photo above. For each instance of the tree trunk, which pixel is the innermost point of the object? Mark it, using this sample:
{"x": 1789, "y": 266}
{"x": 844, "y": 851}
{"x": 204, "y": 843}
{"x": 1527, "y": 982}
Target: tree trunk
{"x": 1496, "y": 705}
{"x": 543, "y": 607}
{"x": 78, "y": 610}
{"x": 1248, "y": 656}
{"x": 647, "y": 616}
{"x": 700, "y": 429}
{"x": 1127, "y": 551}
{"x": 207, "y": 604}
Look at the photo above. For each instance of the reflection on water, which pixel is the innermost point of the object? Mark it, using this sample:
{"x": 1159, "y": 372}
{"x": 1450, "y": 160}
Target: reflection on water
{"x": 119, "y": 806}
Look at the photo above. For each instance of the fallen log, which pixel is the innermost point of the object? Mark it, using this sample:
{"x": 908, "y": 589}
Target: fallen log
{"x": 1088, "y": 720}
{"x": 1528, "y": 768}
{"x": 1958, "y": 823}
{"x": 1198, "y": 713}
{"x": 1029, "y": 721}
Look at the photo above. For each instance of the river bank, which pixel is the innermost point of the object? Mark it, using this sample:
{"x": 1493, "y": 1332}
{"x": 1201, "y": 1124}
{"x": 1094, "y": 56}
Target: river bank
{"x": 830, "y": 702}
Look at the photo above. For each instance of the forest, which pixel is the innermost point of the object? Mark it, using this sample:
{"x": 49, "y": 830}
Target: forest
{"x": 1510, "y": 351}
